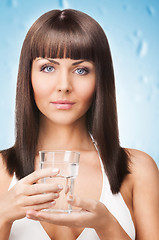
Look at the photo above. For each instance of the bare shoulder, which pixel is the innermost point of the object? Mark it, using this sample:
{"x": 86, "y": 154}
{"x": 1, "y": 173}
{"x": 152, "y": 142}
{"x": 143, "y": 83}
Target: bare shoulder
{"x": 5, "y": 178}
{"x": 145, "y": 181}
{"x": 144, "y": 170}
{"x": 142, "y": 164}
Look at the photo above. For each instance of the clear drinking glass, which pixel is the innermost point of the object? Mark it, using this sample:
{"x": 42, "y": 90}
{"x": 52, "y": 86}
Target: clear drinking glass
{"x": 68, "y": 163}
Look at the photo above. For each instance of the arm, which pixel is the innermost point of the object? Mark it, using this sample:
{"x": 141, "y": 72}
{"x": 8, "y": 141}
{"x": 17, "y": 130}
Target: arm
{"x": 145, "y": 196}
{"x": 5, "y": 230}
{"x": 4, "y": 183}
{"x": 113, "y": 231}
{"x": 23, "y": 196}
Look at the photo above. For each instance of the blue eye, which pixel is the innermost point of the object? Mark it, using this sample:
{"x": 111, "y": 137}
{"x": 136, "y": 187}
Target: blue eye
{"x": 47, "y": 68}
{"x": 82, "y": 71}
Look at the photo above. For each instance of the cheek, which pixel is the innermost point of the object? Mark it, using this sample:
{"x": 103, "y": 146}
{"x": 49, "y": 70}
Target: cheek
{"x": 40, "y": 92}
{"x": 86, "y": 93}
{"x": 41, "y": 89}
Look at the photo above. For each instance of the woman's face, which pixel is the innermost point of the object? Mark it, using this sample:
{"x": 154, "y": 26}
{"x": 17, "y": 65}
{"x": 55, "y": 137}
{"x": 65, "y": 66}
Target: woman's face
{"x": 63, "y": 88}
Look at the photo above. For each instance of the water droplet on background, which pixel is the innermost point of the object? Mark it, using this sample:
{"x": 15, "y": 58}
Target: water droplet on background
{"x": 125, "y": 7}
{"x": 12, "y": 3}
{"x": 63, "y": 3}
{"x": 137, "y": 33}
{"x": 142, "y": 49}
{"x": 143, "y": 80}
{"x": 150, "y": 10}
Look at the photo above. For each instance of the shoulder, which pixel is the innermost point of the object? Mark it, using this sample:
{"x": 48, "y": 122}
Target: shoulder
{"x": 144, "y": 170}
{"x": 5, "y": 178}
{"x": 142, "y": 165}
{"x": 145, "y": 182}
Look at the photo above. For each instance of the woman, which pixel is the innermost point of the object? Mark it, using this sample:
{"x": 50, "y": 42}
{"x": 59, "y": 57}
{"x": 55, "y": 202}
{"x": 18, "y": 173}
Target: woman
{"x": 66, "y": 99}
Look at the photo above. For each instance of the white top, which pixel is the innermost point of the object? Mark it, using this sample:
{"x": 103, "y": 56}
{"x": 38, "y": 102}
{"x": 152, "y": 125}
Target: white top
{"x": 25, "y": 228}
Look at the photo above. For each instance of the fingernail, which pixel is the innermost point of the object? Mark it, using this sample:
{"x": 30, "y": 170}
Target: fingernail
{"x": 53, "y": 202}
{"x": 27, "y": 215}
{"x": 55, "y": 170}
{"x": 30, "y": 214}
{"x": 70, "y": 198}
{"x": 60, "y": 186}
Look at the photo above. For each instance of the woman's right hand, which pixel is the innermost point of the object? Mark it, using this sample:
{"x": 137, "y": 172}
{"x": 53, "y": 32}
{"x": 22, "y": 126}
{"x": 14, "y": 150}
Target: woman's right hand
{"x": 28, "y": 194}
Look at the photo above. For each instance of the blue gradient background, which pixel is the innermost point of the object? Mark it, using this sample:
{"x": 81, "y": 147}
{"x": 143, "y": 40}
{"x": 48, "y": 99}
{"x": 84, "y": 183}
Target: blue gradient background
{"x": 132, "y": 28}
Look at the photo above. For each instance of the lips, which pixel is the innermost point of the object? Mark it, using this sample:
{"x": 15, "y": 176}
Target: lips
{"x": 63, "y": 104}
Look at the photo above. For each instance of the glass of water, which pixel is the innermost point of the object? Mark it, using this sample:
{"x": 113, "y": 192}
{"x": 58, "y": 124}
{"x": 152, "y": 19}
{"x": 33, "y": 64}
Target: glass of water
{"x": 68, "y": 163}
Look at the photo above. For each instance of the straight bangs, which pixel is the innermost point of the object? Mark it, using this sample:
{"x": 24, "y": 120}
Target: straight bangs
{"x": 62, "y": 39}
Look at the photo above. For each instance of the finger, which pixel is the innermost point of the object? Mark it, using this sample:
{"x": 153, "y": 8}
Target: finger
{"x": 44, "y": 188}
{"x": 55, "y": 218}
{"x": 41, "y": 206}
{"x": 38, "y": 174}
{"x": 41, "y": 198}
{"x": 86, "y": 204}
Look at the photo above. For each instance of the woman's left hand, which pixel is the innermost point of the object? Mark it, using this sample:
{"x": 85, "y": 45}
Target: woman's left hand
{"x": 93, "y": 214}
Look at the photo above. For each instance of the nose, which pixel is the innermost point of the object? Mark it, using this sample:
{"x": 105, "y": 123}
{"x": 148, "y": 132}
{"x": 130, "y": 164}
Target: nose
{"x": 64, "y": 83}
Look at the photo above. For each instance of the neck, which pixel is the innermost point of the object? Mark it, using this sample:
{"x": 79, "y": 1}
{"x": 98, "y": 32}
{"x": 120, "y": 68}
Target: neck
{"x": 64, "y": 137}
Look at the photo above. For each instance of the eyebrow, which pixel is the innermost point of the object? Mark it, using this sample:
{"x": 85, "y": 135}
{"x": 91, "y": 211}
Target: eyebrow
{"x": 75, "y": 63}
{"x": 55, "y": 62}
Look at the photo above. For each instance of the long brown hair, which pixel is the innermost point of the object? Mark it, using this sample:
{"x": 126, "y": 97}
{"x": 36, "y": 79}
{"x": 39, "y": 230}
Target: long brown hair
{"x": 71, "y": 34}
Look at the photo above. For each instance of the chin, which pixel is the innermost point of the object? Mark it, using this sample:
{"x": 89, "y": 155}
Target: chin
{"x": 64, "y": 119}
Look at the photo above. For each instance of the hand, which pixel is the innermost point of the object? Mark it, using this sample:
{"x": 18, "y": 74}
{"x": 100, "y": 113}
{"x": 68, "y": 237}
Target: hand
{"x": 26, "y": 195}
{"x": 93, "y": 214}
